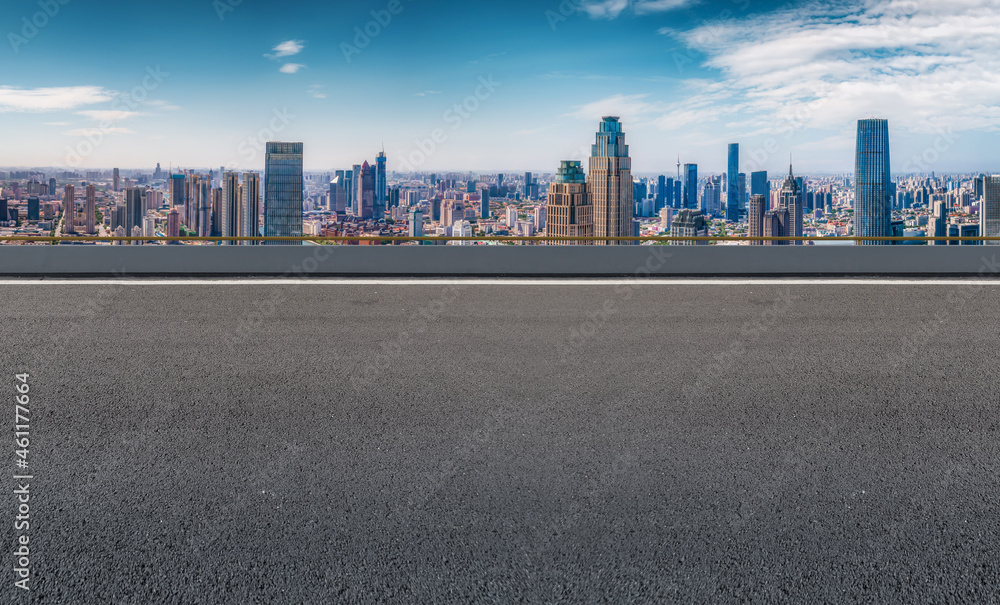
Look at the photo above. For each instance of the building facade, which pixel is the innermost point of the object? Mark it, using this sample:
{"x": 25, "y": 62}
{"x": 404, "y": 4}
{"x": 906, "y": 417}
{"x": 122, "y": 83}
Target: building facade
{"x": 872, "y": 203}
{"x": 283, "y": 191}
{"x": 570, "y": 212}
{"x": 609, "y": 183}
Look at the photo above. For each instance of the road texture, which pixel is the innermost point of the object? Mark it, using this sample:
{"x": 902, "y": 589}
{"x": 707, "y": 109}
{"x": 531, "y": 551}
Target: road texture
{"x": 509, "y": 443}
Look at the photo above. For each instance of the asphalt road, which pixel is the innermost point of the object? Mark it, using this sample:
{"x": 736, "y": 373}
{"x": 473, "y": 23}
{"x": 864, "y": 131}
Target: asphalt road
{"x": 499, "y": 444}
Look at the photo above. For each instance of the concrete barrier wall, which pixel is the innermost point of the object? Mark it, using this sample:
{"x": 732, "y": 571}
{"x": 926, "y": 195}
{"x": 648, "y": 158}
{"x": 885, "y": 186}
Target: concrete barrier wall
{"x": 514, "y": 261}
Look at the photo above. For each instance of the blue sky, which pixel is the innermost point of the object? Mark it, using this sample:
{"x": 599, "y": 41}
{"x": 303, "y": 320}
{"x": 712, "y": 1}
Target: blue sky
{"x": 201, "y": 83}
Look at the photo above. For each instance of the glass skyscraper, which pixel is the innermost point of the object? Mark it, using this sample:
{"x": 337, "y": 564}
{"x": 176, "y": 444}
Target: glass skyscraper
{"x": 990, "y": 209}
{"x": 690, "y": 186}
{"x": 283, "y": 188}
{"x": 872, "y": 202}
{"x": 734, "y": 194}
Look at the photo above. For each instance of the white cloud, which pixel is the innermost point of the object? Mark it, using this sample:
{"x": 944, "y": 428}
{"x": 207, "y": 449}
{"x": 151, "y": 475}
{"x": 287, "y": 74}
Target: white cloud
{"x": 428, "y": 93}
{"x": 928, "y": 65}
{"x": 57, "y": 123}
{"x": 611, "y": 9}
{"x": 287, "y": 49}
{"x": 291, "y": 68}
{"x": 108, "y": 115}
{"x": 51, "y": 99}
{"x": 86, "y": 132}
{"x": 316, "y": 90}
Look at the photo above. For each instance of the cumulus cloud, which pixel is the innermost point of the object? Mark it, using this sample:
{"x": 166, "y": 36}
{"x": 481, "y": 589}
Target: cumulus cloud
{"x": 291, "y": 68}
{"x": 287, "y": 48}
{"x": 108, "y": 115}
{"x": 86, "y": 132}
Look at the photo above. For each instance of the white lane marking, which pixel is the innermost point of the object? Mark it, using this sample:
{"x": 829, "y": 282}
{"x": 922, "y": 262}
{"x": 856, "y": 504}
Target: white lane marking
{"x": 55, "y": 281}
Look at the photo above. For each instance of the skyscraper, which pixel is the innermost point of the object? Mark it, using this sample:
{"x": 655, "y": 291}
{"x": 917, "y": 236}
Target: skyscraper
{"x": 69, "y": 209}
{"x": 689, "y": 223}
{"x": 250, "y": 208}
{"x": 484, "y": 203}
{"x": 527, "y": 185}
{"x": 776, "y": 225}
{"x": 790, "y": 199}
{"x": 609, "y": 183}
{"x": 381, "y": 186}
{"x": 283, "y": 189}
{"x": 734, "y": 193}
{"x": 173, "y": 223}
{"x": 52, "y": 187}
{"x": 204, "y": 205}
{"x": 365, "y": 196}
{"x": 759, "y": 185}
{"x": 91, "y": 210}
{"x": 134, "y": 209}
{"x": 570, "y": 211}
{"x": 416, "y": 225}
{"x": 661, "y": 193}
{"x": 989, "y": 209}
{"x": 34, "y": 208}
{"x": 116, "y": 180}
{"x": 229, "y": 224}
{"x": 755, "y": 214}
{"x": 177, "y": 188}
{"x": 690, "y": 199}
{"x": 872, "y": 205}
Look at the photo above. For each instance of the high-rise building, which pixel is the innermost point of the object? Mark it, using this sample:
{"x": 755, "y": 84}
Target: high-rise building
{"x": 689, "y": 223}
{"x": 173, "y": 223}
{"x": 283, "y": 189}
{"x": 338, "y": 194}
{"x": 34, "y": 207}
{"x": 134, "y": 209}
{"x": 229, "y": 225}
{"x": 989, "y": 209}
{"x": 177, "y": 188}
{"x": 661, "y": 193}
{"x": 527, "y": 185}
{"x": 511, "y": 216}
{"x": 250, "y": 208}
{"x": 216, "y": 222}
{"x": 760, "y": 185}
{"x": 540, "y": 215}
{"x": 734, "y": 193}
{"x": 755, "y": 214}
{"x": 872, "y": 204}
{"x": 381, "y": 186}
{"x": 416, "y": 226}
{"x": 91, "y": 209}
{"x": 204, "y": 205}
{"x": 116, "y": 180}
{"x": 776, "y": 225}
{"x": 365, "y": 195}
{"x": 790, "y": 199}
{"x": 355, "y": 177}
{"x": 690, "y": 187}
{"x": 69, "y": 209}
{"x": 484, "y": 203}
{"x": 52, "y": 187}
{"x": 570, "y": 211}
{"x": 609, "y": 183}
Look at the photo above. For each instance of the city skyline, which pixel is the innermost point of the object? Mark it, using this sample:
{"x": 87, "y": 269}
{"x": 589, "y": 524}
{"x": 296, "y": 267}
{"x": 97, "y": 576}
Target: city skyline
{"x": 686, "y": 78}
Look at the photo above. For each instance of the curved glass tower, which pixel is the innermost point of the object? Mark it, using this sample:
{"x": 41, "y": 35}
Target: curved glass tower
{"x": 872, "y": 202}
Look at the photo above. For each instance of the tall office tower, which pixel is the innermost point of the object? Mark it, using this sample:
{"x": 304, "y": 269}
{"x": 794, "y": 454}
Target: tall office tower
{"x": 744, "y": 193}
{"x": 790, "y": 199}
{"x": 116, "y": 180}
{"x": 365, "y": 196}
{"x": 872, "y": 206}
{"x": 216, "y": 222}
{"x": 938, "y": 224}
{"x": 69, "y": 209}
{"x": 609, "y": 183}
{"x": 134, "y": 209}
{"x": 690, "y": 198}
{"x": 190, "y": 218}
{"x": 540, "y": 217}
{"x": 3, "y": 210}
{"x": 283, "y": 188}
{"x": 250, "y": 208}
{"x": 511, "y": 216}
{"x": 338, "y": 196}
{"x": 689, "y": 223}
{"x": 34, "y": 208}
{"x": 989, "y": 209}
{"x": 661, "y": 193}
{"x": 52, "y": 187}
{"x": 204, "y": 206}
{"x": 734, "y": 194}
{"x": 354, "y": 175}
{"x": 381, "y": 186}
{"x": 527, "y": 185}
{"x": 500, "y": 182}
{"x": 979, "y": 186}
{"x": 173, "y": 223}
{"x": 484, "y": 203}
{"x": 775, "y": 225}
{"x": 711, "y": 198}
{"x": 158, "y": 173}
{"x": 416, "y": 226}
{"x": 91, "y": 210}
{"x": 229, "y": 224}
{"x": 759, "y": 185}
{"x": 755, "y": 214}
{"x": 394, "y": 197}
{"x": 177, "y": 188}
{"x": 16, "y": 189}
{"x": 570, "y": 211}
{"x": 436, "y": 209}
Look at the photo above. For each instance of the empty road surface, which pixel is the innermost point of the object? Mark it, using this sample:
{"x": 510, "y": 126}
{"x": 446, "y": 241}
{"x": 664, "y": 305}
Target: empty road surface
{"x": 460, "y": 442}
